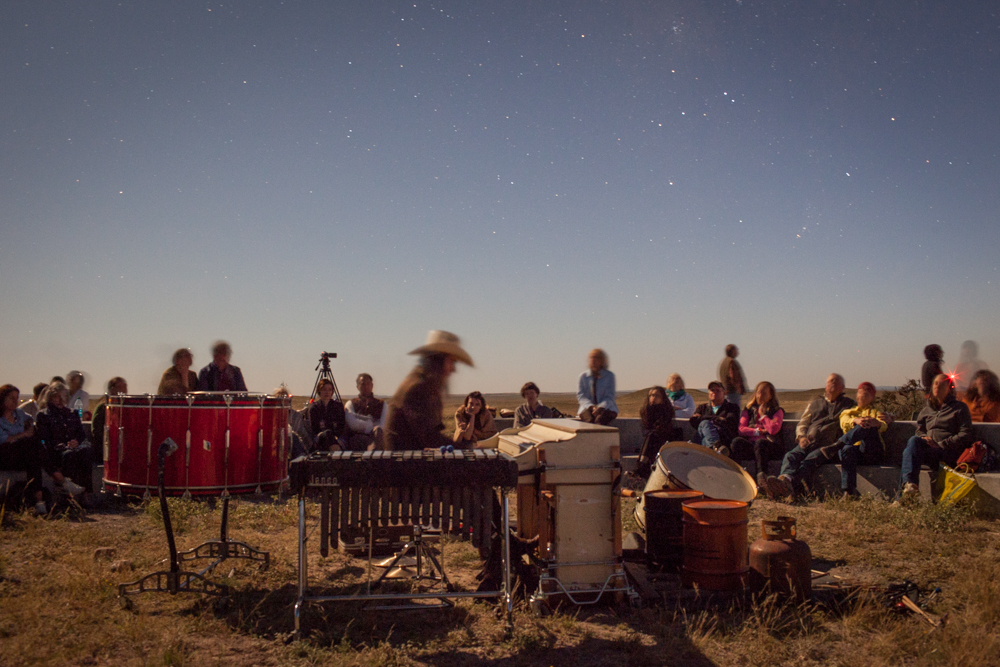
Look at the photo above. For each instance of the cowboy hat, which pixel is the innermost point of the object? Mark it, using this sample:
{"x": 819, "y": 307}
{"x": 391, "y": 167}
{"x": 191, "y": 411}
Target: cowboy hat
{"x": 444, "y": 342}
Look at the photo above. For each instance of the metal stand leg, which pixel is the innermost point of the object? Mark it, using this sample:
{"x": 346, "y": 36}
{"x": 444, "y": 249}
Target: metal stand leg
{"x": 302, "y": 562}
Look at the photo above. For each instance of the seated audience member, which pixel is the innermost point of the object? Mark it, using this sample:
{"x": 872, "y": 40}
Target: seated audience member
{"x": 732, "y": 377}
{"x": 532, "y": 408}
{"x": 473, "y": 422}
{"x": 326, "y": 419}
{"x": 681, "y": 400}
{"x": 366, "y": 417}
{"x": 68, "y": 459}
{"x": 819, "y": 427}
{"x": 596, "y": 391}
{"x": 760, "y": 431}
{"x": 656, "y": 418}
{"x": 861, "y": 444}
{"x": 298, "y": 422}
{"x": 934, "y": 355}
{"x": 220, "y": 375}
{"x": 30, "y": 407}
{"x": 415, "y": 419}
{"x": 20, "y": 448}
{"x": 116, "y": 387}
{"x": 983, "y": 397}
{"x": 968, "y": 365}
{"x": 78, "y": 400}
{"x": 715, "y": 423}
{"x": 944, "y": 430}
{"x": 179, "y": 378}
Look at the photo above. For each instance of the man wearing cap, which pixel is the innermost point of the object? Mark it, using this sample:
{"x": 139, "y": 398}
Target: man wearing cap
{"x": 596, "y": 390}
{"x": 415, "y": 420}
{"x": 366, "y": 417}
{"x": 220, "y": 375}
{"x": 716, "y": 422}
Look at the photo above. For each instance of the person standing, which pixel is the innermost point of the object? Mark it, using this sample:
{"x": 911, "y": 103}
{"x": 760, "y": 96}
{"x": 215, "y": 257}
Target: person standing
{"x": 220, "y": 375}
{"x": 596, "y": 390}
{"x": 934, "y": 355}
{"x": 731, "y": 376}
{"x": 415, "y": 411}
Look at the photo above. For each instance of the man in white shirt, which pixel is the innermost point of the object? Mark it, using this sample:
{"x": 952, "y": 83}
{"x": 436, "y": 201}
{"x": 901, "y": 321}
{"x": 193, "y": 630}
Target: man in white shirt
{"x": 366, "y": 417}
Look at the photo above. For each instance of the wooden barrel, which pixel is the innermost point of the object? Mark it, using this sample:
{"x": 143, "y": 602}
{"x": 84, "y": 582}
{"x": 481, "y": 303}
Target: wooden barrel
{"x": 715, "y": 544}
{"x": 665, "y": 525}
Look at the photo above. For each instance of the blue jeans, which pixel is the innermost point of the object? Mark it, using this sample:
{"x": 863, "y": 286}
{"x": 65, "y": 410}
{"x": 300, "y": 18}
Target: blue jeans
{"x": 707, "y": 434}
{"x": 916, "y": 454}
{"x": 798, "y": 464}
{"x": 859, "y": 446}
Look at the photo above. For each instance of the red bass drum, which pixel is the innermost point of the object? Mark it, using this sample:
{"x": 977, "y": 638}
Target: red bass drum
{"x": 227, "y": 443}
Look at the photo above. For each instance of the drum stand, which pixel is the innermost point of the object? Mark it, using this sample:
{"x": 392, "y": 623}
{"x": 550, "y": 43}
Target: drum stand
{"x": 175, "y": 581}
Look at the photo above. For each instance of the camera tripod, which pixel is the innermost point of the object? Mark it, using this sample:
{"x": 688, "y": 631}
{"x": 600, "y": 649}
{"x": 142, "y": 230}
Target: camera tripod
{"x": 325, "y": 374}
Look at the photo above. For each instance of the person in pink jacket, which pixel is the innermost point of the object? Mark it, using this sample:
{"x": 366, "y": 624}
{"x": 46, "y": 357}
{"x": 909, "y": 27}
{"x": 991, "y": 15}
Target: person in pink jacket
{"x": 759, "y": 436}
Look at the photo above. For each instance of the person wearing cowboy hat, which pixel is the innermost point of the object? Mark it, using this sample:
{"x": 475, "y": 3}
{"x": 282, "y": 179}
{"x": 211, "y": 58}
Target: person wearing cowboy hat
{"x": 415, "y": 420}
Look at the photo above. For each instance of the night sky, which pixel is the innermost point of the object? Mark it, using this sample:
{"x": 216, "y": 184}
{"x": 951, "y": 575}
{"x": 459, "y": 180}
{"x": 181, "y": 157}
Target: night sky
{"x": 813, "y": 181}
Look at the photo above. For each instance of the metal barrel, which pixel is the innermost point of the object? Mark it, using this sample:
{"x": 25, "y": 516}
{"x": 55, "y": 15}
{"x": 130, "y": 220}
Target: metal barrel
{"x": 715, "y": 545}
{"x": 665, "y": 525}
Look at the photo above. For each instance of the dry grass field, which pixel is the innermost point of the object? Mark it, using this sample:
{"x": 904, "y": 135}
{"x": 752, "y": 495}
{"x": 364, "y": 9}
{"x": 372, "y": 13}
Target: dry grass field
{"x": 58, "y": 603}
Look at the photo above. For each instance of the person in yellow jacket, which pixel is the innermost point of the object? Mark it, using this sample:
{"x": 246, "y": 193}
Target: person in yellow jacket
{"x": 861, "y": 444}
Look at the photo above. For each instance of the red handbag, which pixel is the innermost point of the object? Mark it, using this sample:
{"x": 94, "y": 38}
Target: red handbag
{"x": 973, "y": 455}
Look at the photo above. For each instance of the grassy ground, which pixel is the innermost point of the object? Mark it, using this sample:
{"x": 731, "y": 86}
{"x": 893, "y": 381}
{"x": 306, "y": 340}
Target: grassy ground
{"x": 58, "y": 606}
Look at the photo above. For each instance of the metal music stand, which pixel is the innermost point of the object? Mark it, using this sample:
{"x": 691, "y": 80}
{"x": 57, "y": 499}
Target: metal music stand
{"x": 175, "y": 581}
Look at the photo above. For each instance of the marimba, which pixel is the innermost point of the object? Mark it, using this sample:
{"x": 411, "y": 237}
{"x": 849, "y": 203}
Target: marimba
{"x": 365, "y": 492}
{"x": 383, "y": 494}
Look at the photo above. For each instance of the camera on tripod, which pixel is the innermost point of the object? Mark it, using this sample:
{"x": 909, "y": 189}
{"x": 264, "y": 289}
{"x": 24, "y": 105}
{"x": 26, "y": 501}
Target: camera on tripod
{"x": 325, "y": 373}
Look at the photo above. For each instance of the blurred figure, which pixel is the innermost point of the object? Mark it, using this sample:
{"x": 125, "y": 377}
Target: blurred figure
{"x": 415, "y": 410}
{"x": 731, "y": 376}
{"x": 20, "y": 448}
{"x": 366, "y": 417}
{"x": 78, "y": 400}
{"x": 532, "y": 408}
{"x": 473, "y": 422}
{"x": 983, "y": 397}
{"x": 932, "y": 367}
{"x": 715, "y": 423}
{"x": 179, "y": 378}
{"x": 596, "y": 390}
{"x": 220, "y": 375}
{"x": 31, "y": 407}
{"x": 68, "y": 459}
{"x": 656, "y": 418}
{"x": 968, "y": 365}
{"x": 117, "y": 386}
{"x": 326, "y": 419}
{"x": 944, "y": 430}
{"x": 298, "y": 422}
{"x": 760, "y": 431}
